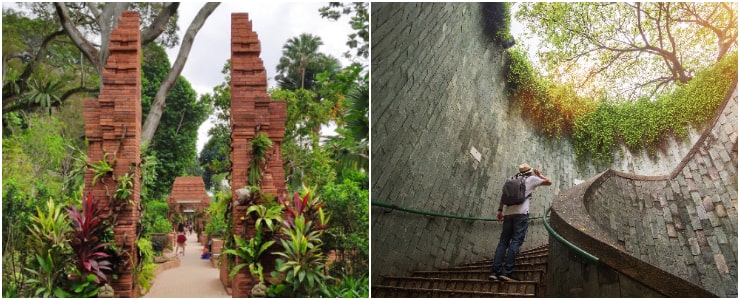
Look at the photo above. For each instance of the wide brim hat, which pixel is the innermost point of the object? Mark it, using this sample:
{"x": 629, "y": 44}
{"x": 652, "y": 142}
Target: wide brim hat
{"x": 524, "y": 168}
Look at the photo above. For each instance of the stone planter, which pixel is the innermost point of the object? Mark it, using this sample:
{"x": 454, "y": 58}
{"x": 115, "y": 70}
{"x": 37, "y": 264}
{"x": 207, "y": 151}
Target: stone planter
{"x": 217, "y": 245}
{"x": 160, "y": 241}
{"x": 173, "y": 240}
{"x": 224, "y": 273}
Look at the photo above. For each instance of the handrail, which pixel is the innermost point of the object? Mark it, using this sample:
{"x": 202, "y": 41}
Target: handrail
{"x": 588, "y": 256}
{"x": 435, "y": 214}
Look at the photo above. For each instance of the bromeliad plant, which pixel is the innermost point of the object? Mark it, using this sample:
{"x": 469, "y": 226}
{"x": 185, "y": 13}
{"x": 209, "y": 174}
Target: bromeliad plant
{"x": 88, "y": 226}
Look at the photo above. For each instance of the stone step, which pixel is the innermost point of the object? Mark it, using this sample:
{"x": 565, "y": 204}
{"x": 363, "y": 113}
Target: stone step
{"x": 487, "y": 267}
{"x": 486, "y": 286}
{"x": 471, "y": 280}
{"x": 381, "y": 291}
{"x": 529, "y": 259}
{"x": 524, "y": 275}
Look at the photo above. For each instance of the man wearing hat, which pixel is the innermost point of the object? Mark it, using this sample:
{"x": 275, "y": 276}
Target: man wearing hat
{"x": 516, "y": 220}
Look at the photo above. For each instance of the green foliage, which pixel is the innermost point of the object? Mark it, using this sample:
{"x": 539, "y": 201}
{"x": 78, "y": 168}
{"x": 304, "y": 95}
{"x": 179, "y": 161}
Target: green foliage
{"x": 314, "y": 167}
{"x": 497, "y": 16}
{"x": 41, "y": 63}
{"x": 45, "y": 93}
{"x": 102, "y": 168}
{"x": 269, "y": 216}
{"x": 148, "y": 172}
{"x": 645, "y": 124}
{"x": 161, "y": 224}
{"x": 38, "y": 154}
{"x": 301, "y": 62}
{"x": 144, "y": 272}
{"x": 154, "y": 220}
{"x": 359, "y": 20}
{"x": 302, "y": 269}
{"x": 49, "y": 249}
{"x": 49, "y": 229}
{"x": 350, "y": 287}
{"x": 84, "y": 286}
{"x": 174, "y": 142}
{"x": 629, "y": 50}
{"x": 551, "y": 108}
{"x": 349, "y": 230}
{"x": 44, "y": 280}
{"x": 260, "y": 146}
{"x": 217, "y": 212}
{"x": 213, "y": 158}
{"x": 249, "y": 251}
{"x": 125, "y": 186}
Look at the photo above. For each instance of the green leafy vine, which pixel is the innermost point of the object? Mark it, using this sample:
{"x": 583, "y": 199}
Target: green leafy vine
{"x": 598, "y": 127}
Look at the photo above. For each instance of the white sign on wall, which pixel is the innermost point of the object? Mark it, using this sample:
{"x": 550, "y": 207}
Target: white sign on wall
{"x": 475, "y": 153}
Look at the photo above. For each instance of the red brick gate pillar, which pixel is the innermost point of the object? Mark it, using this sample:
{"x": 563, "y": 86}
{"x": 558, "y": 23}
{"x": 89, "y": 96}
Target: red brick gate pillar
{"x": 252, "y": 112}
{"x": 113, "y": 127}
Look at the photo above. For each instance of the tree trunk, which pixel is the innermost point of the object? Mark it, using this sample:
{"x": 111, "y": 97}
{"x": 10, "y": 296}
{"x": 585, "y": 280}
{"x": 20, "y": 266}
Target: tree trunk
{"x": 155, "y": 112}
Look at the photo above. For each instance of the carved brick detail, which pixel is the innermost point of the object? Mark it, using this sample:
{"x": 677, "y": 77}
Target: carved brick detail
{"x": 252, "y": 112}
{"x": 113, "y": 126}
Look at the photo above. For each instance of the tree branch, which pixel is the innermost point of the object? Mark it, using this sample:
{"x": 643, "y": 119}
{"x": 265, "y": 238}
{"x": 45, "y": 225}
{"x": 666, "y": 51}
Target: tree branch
{"x": 160, "y": 23}
{"x": 87, "y": 49}
{"x": 8, "y": 94}
{"x": 158, "y": 104}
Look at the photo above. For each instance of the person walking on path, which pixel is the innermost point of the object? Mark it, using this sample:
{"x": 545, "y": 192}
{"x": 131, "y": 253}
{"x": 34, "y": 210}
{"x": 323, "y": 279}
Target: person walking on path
{"x": 193, "y": 278}
{"x": 516, "y": 221}
{"x": 181, "y": 239}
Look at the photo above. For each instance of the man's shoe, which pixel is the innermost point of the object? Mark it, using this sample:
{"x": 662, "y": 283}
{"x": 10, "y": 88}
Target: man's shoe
{"x": 493, "y": 277}
{"x": 508, "y": 278}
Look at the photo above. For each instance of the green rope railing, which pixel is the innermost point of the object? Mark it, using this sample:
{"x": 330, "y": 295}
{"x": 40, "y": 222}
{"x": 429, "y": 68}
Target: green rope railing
{"x": 590, "y": 257}
{"x": 435, "y": 214}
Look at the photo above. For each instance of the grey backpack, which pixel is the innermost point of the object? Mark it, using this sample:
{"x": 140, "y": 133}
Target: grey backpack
{"x": 513, "y": 192}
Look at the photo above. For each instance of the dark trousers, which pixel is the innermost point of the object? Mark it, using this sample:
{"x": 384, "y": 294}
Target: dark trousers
{"x": 512, "y": 237}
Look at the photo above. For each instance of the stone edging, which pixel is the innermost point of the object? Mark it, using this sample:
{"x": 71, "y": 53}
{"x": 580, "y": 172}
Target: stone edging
{"x": 167, "y": 265}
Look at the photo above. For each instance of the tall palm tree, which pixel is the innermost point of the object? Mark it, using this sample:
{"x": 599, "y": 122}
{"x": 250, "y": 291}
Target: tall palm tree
{"x": 301, "y": 62}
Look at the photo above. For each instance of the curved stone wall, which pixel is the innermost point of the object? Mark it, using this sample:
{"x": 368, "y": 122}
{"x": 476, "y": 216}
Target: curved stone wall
{"x": 443, "y": 138}
{"x": 683, "y": 223}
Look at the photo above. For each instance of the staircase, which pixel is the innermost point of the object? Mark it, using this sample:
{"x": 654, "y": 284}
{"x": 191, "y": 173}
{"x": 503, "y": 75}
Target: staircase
{"x": 470, "y": 280}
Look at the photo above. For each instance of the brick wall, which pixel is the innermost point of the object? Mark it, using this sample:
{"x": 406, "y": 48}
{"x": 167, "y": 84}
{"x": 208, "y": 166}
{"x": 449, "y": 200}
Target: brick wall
{"x": 445, "y": 136}
{"x": 252, "y": 112}
{"x": 113, "y": 126}
{"x": 684, "y": 223}
{"x": 190, "y": 188}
